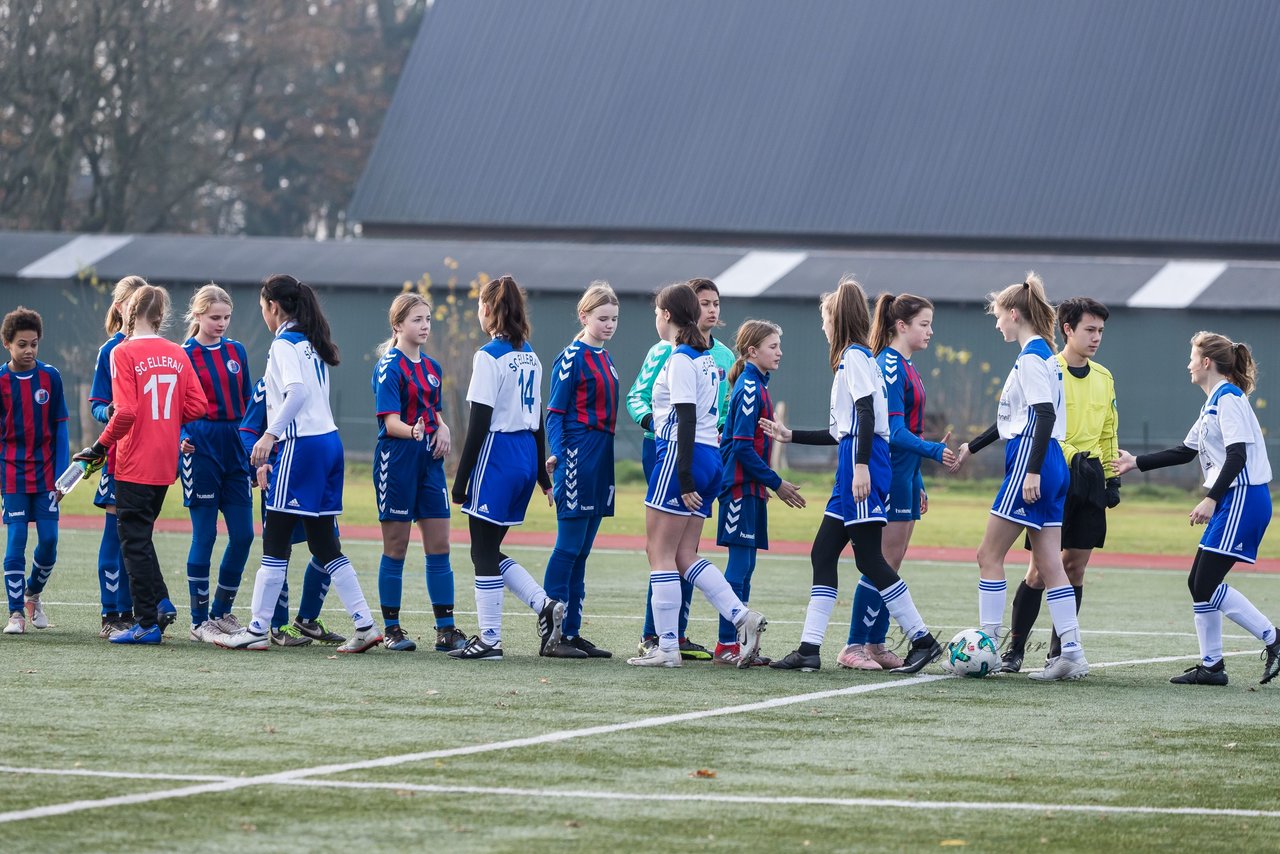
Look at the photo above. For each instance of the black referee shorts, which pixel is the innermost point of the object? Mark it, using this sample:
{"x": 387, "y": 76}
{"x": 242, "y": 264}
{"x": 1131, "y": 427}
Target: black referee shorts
{"x": 1084, "y": 515}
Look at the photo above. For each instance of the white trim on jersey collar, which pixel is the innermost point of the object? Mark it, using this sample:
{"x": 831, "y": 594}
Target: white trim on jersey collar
{"x": 285, "y": 327}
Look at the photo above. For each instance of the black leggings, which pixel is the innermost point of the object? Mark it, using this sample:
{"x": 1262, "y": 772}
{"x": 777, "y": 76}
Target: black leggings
{"x": 486, "y": 546}
{"x": 137, "y": 507}
{"x": 1208, "y": 571}
{"x": 322, "y": 539}
{"x": 830, "y": 541}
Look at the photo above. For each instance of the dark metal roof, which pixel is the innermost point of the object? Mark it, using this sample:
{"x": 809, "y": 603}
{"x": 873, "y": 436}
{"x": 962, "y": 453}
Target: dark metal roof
{"x": 1143, "y": 123}
{"x": 637, "y": 269}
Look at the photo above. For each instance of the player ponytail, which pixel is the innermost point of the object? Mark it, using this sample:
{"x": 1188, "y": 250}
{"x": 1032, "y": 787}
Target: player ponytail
{"x": 598, "y": 293}
{"x": 508, "y": 310}
{"x": 205, "y": 298}
{"x": 752, "y": 333}
{"x": 1028, "y": 299}
{"x": 400, "y": 308}
{"x": 119, "y": 296}
{"x": 151, "y": 303}
{"x": 1232, "y": 359}
{"x": 681, "y": 303}
{"x": 889, "y": 311}
{"x": 299, "y": 303}
{"x": 845, "y": 309}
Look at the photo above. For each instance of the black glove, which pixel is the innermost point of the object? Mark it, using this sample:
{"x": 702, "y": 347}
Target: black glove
{"x": 93, "y": 457}
{"x": 646, "y": 423}
{"x": 111, "y": 410}
{"x": 459, "y": 495}
{"x": 1113, "y": 492}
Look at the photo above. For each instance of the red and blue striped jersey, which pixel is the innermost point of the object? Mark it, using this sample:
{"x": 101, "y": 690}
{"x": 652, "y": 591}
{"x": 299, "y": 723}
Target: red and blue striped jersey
{"x": 904, "y": 388}
{"x": 31, "y": 407}
{"x": 409, "y": 389}
{"x": 223, "y": 371}
{"x": 584, "y": 387}
{"x": 744, "y": 446}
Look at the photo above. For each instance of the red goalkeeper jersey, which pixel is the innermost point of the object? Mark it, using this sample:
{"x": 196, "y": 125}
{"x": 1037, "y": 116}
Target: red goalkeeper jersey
{"x": 155, "y": 391}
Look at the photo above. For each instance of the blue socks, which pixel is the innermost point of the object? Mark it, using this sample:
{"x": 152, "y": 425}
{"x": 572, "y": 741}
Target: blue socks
{"x": 566, "y": 575}
{"x": 204, "y": 530}
{"x": 239, "y": 520}
{"x": 742, "y": 563}
{"x": 390, "y": 588}
{"x": 869, "y": 619}
{"x": 280, "y": 618}
{"x": 315, "y": 584}
{"x": 440, "y": 588}
{"x": 46, "y": 555}
{"x": 15, "y": 565}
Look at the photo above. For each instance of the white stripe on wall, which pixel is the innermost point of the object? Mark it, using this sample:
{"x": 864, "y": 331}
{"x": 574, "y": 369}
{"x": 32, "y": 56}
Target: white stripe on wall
{"x": 755, "y": 272}
{"x": 1178, "y": 284}
{"x": 75, "y": 255}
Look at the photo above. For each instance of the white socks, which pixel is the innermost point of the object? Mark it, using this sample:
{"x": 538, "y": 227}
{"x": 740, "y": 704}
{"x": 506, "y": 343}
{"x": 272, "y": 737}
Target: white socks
{"x": 897, "y": 598}
{"x": 704, "y": 576}
{"x": 266, "y": 590}
{"x": 665, "y": 602}
{"x": 521, "y": 583}
{"x": 1062, "y": 608}
{"x": 1208, "y": 621}
{"x": 822, "y": 600}
{"x": 991, "y": 596}
{"x": 1243, "y": 613}
{"x": 489, "y": 608}
{"x": 343, "y": 579}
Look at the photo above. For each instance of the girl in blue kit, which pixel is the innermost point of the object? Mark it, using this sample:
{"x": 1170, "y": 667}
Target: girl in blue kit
{"x": 900, "y": 328}
{"x": 685, "y": 480}
{"x": 408, "y": 472}
{"x": 113, "y": 585}
{"x": 305, "y": 484}
{"x": 213, "y": 468}
{"x": 581, "y": 418}
{"x": 855, "y": 514}
{"x": 1233, "y": 459}
{"x": 307, "y": 626}
{"x": 502, "y": 459}
{"x": 1032, "y": 419}
{"x": 746, "y": 476}
{"x": 33, "y": 452}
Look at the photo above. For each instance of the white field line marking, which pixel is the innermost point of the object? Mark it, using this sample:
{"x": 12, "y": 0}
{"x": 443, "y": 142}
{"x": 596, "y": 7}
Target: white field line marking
{"x": 837, "y": 623}
{"x": 666, "y": 797}
{"x": 118, "y": 775}
{"x": 1162, "y": 660}
{"x": 469, "y": 750}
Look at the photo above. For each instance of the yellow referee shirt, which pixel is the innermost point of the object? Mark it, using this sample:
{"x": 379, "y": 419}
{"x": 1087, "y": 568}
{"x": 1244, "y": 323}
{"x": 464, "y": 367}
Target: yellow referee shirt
{"x": 1091, "y": 414}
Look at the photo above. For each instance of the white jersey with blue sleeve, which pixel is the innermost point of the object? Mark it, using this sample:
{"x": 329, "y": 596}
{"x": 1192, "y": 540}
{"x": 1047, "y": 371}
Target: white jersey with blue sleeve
{"x": 857, "y": 376}
{"x": 510, "y": 381}
{"x": 688, "y": 376}
{"x": 292, "y": 360}
{"x": 1227, "y": 419}
{"x": 1036, "y": 378}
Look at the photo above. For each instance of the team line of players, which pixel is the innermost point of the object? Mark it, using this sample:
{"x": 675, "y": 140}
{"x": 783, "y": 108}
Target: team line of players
{"x": 709, "y": 425}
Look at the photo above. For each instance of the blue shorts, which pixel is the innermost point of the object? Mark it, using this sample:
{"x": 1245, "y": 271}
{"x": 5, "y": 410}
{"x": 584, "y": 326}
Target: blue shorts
{"x": 408, "y": 481}
{"x": 583, "y": 479}
{"x": 905, "y": 486}
{"x": 307, "y": 477}
{"x": 1055, "y": 477}
{"x": 664, "y": 485}
{"x": 217, "y": 474}
{"x": 874, "y": 507}
{"x": 504, "y": 477}
{"x": 105, "y": 496}
{"x": 648, "y": 453}
{"x": 1237, "y": 525}
{"x": 30, "y": 507}
{"x": 743, "y": 522}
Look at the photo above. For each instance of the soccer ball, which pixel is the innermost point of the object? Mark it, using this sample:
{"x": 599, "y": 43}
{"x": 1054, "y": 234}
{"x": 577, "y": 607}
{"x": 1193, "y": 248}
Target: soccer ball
{"x": 973, "y": 652}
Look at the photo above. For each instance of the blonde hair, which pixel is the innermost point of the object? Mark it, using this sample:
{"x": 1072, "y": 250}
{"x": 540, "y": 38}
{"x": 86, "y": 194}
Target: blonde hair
{"x": 598, "y": 293}
{"x": 850, "y": 318}
{"x": 205, "y": 298}
{"x": 752, "y": 333}
{"x": 1032, "y": 304}
{"x": 400, "y": 308}
{"x": 119, "y": 296}
{"x": 152, "y": 303}
{"x": 1233, "y": 359}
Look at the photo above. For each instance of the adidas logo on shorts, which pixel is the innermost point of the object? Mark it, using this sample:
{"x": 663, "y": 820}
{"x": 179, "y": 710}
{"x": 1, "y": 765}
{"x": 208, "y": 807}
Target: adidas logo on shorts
{"x": 293, "y": 502}
{"x": 484, "y": 508}
{"x": 675, "y": 502}
{"x": 1019, "y": 512}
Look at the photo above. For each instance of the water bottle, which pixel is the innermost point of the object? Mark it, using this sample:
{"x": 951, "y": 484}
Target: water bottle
{"x": 76, "y": 472}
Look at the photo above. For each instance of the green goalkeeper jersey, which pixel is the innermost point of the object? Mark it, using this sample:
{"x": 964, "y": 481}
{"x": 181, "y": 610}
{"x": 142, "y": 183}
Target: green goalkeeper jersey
{"x": 640, "y": 398}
